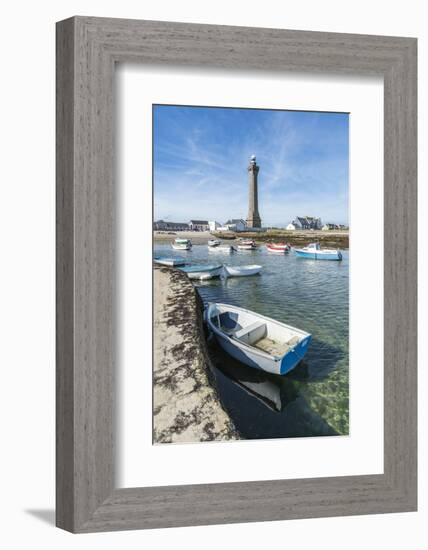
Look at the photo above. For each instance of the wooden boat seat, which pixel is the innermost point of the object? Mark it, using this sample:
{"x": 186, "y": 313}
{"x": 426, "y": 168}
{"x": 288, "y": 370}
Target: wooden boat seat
{"x": 252, "y": 333}
{"x": 273, "y": 348}
{"x": 276, "y": 348}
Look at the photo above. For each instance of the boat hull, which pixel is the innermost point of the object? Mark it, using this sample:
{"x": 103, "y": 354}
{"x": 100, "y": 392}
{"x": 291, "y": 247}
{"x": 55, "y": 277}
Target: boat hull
{"x": 170, "y": 262}
{"x": 277, "y": 250}
{"x": 221, "y": 249}
{"x": 246, "y": 247}
{"x": 319, "y": 255}
{"x": 251, "y": 356}
{"x": 203, "y": 274}
{"x": 181, "y": 246}
{"x": 242, "y": 271}
{"x": 246, "y": 356}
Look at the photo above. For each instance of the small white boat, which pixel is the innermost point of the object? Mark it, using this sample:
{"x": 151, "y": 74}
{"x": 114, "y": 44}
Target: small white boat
{"x": 214, "y": 242}
{"x": 182, "y": 244}
{"x": 278, "y": 248}
{"x": 314, "y": 252}
{"x": 202, "y": 272}
{"x": 223, "y": 249}
{"x": 171, "y": 262}
{"x": 256, "y": 340}
{"x": 247, "y": 244}
{"x": 242, "y": 270}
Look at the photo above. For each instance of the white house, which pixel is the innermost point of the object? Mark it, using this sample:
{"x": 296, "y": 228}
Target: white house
{"x": 291, "y": 227}
{"x": 305, "y": 222}
{"x": 330, "y": 227}
{"x": 214, "y": 226}
{"x": 198, "y": 225}
{"x": 236, "y": 225}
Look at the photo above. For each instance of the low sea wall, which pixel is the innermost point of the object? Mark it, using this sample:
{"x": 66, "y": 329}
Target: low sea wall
{"x": 297, "y": 238}
{"x": 186, "y": 407}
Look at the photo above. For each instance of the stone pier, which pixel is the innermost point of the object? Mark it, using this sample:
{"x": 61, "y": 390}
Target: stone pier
{"x": 185, "y": 402}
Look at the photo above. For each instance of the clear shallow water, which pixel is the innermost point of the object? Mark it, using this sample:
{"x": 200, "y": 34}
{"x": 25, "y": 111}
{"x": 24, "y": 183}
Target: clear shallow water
{"x": 312, "y": 295}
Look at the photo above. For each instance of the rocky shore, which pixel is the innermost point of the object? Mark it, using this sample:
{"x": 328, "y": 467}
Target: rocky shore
{"x": 186, "y": 407}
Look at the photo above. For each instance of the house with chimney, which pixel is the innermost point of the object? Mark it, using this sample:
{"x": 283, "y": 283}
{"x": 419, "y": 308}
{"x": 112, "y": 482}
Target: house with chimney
{"x": 305, "y": 223}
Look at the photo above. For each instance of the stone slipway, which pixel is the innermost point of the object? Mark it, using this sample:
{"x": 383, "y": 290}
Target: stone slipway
{"x": 186, "y": 407}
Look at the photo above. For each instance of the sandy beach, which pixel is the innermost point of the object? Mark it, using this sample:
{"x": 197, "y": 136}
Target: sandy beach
{"x": 197, "y": 237}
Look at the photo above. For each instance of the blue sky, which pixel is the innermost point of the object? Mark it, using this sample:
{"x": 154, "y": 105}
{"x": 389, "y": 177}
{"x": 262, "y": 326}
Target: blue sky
{"x": 201, "y": 156}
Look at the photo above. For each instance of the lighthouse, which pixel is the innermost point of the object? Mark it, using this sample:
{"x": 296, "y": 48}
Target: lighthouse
{"x": 253, "y": 218}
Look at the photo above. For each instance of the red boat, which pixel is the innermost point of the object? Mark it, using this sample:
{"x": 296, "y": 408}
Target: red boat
{"x": 279, "y": 248}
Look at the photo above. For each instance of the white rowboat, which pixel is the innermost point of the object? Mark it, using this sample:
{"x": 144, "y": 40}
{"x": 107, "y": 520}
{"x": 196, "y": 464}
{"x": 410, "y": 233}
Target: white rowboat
{"x": 182, "y": 244}
{"x": 171, "y": 262}
{"x": 224, "y": 249}
{"x": 242, "y": 270}
{"x": 202, "y": 272}
{"x": 247, "y": 246}
{"x": 256, "y": 340}
{"x": 214, "y": 242}
{"x": 278, "y": 248}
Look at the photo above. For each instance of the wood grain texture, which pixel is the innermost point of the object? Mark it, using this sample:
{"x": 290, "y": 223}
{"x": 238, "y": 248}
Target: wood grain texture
{"x": 87, "y": 49}
{"x": 64, "y": 276}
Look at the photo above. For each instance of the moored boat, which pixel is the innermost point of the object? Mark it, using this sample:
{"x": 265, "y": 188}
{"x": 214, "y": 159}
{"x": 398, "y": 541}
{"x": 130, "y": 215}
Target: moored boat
{"x": 171, "y": 262}
{"x": 256, "y": 340}
{"x": 223, "y": 249}
{"x": 214, "y": 242}
{"x": 247, "y": 244}
{"x": 182, "y": 244}
{"x": 314, "y": 252}
{"x": 278, "y": 248}
{"x": 241, "y": 270}
{"x": 202, "y": 272}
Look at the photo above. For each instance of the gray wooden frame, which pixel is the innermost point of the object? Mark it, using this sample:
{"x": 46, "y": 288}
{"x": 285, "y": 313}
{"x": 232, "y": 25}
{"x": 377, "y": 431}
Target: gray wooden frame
{"x": 87, "y": 50}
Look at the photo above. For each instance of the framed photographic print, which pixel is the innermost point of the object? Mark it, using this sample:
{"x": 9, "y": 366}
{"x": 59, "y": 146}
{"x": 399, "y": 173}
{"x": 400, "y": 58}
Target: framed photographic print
{"x": 236, "y": 274}
{"x": 248, "y": 270}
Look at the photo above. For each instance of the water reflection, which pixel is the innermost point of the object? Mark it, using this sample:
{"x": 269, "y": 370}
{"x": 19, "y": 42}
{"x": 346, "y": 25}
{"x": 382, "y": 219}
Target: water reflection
{"x": 265, "y": 406}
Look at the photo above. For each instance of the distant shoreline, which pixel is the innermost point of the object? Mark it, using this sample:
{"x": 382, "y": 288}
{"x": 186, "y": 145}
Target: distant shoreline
{"x": 335, "y": 238}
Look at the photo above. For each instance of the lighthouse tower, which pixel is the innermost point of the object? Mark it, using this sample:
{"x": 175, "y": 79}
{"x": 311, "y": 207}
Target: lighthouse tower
{"x": 253, "y": 218}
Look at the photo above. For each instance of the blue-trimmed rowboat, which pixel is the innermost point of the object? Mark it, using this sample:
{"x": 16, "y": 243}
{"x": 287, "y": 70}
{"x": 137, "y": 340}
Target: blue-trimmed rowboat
{"x": 314, "y": 252}
{"x": 241, "y": 270}
{"x": 255, "y": 340}
{"x": 171, "y": 262}
{"x": 202, "y": 272}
